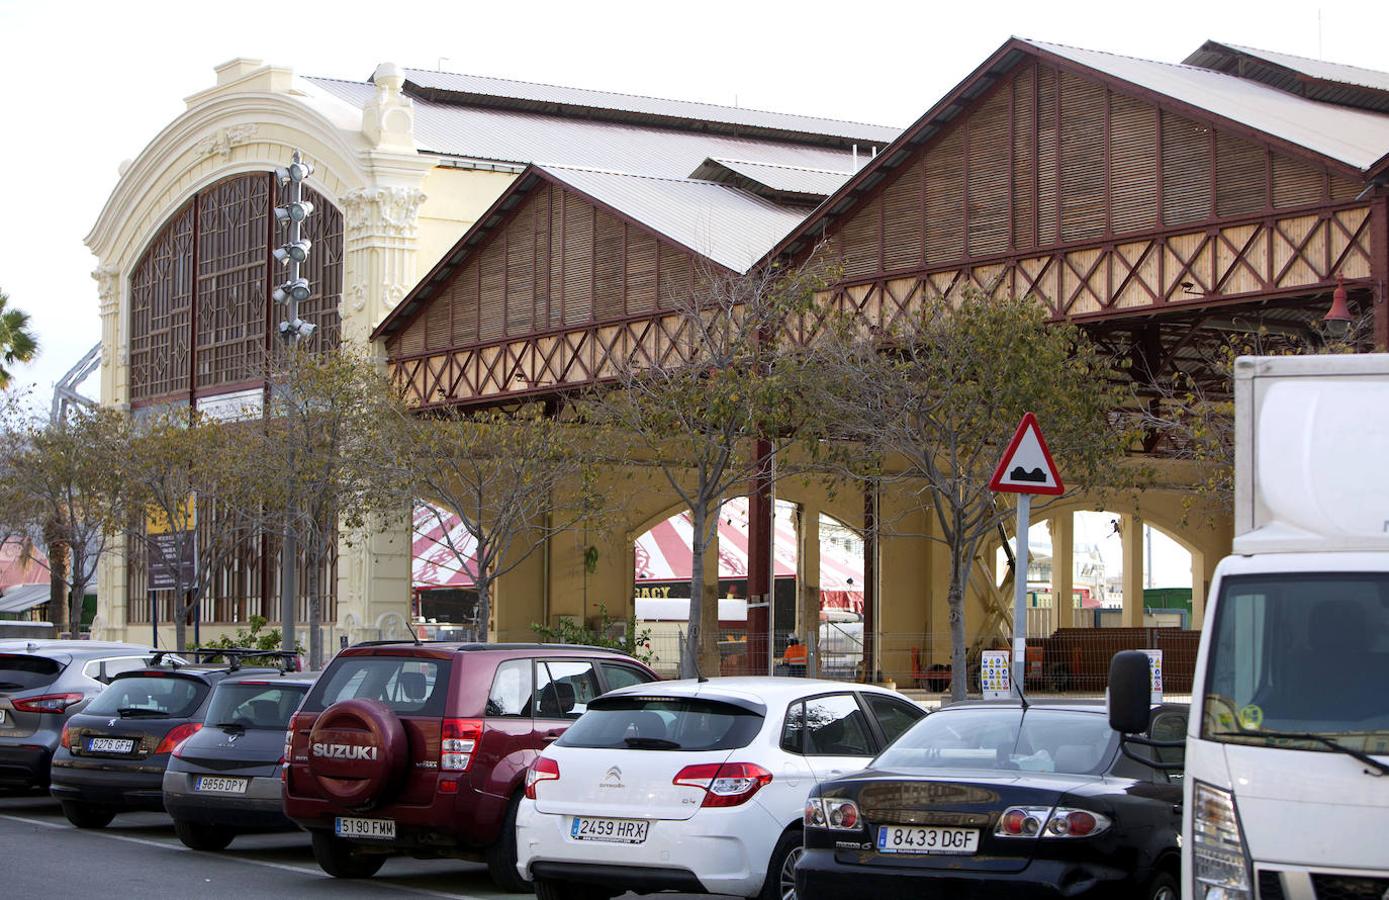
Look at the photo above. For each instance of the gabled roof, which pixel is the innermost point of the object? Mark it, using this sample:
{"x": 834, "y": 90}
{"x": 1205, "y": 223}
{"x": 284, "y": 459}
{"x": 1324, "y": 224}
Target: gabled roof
{"x": 515, "y": 133}
{"x": 550, "y": 99}
{"x": 1351, "y": 140}
{"x": 1317, "y": 79}
{"x": 1355, "y": 138}
{"x": 779, "y": 183}
{"x": 727, "y": 226}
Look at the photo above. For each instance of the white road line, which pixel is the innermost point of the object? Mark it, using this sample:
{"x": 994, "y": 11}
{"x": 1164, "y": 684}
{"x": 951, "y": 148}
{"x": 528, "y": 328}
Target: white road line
{"x": 299, "y": 870}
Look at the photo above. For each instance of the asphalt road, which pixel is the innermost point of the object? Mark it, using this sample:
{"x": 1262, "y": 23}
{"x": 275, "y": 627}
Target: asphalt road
{"x": 137, "y": 855}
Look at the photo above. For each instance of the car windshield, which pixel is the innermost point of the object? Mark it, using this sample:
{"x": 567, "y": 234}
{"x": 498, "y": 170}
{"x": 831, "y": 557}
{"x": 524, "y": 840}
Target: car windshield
{"x": 662, "y": 723}
{"x": 1005, "y": 738}
{"x": 165, "y": 696}
{"x": 1300, "y": 654}
{"x": 21, "y": 672}
{"x": 409, "y": 685}
{"x": 255, "y": 705}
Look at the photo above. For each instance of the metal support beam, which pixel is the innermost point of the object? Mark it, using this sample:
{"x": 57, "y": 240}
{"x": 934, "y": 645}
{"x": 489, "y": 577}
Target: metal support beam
{"x": 761, "y": 573}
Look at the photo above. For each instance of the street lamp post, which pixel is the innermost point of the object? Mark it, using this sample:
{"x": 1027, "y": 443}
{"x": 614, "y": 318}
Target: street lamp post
{"x": 295, "y": 290}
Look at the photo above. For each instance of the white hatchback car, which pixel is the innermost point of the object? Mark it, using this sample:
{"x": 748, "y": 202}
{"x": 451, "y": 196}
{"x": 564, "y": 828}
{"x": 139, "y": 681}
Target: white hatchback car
{"x": 696, "y": 786}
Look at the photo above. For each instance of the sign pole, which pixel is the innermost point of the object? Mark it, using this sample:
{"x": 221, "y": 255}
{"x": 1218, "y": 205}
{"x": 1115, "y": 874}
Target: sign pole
{"x": 1020, "y": 591}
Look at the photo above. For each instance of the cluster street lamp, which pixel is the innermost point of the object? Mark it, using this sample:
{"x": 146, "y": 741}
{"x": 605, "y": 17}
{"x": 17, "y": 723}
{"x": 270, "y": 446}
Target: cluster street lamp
{"x": 295, "y": 290}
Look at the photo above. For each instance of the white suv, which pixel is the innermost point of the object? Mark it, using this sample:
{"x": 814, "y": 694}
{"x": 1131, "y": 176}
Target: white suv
{"x": 696, "y": 786}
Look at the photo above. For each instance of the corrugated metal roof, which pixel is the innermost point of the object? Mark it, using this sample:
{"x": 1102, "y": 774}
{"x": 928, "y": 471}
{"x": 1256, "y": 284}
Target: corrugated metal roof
{"x": 1355, "y": 137}
{"x": 727, "y": 225}
{"x": 482, "y": 90}
{"x": 512, "y": 136}
{"x": 1320, "y": 68}
{"x": 779, "y": 178}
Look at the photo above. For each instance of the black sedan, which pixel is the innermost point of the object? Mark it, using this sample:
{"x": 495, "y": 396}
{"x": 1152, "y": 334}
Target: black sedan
{"x": 225, "y": 780}
{"x": 1003, "y": 800}
{"x": 111, "y": 756}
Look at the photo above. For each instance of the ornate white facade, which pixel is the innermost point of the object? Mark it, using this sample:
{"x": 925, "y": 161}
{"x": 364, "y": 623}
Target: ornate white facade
{"x": 367, "y": 165}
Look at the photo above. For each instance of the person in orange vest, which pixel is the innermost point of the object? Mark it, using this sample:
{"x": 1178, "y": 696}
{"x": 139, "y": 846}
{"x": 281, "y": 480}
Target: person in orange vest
{"x": 794, "y": 656}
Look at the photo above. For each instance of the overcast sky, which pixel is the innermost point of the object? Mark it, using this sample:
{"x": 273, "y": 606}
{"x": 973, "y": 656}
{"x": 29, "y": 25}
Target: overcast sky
{"x": 88, "y": 84}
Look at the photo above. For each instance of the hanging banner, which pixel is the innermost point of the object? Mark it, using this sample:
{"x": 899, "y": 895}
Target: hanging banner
{"x": 995, "y": 676}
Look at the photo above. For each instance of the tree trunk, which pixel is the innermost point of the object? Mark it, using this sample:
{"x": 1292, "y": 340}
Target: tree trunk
{"x": 57, "y": 578}
{"x": 956, "y": 598}
{"x": 689, "y": 654}
{"x": 313, "y": 575}
{"x": 484, "y": 606}
{"x": 181, "y": 607}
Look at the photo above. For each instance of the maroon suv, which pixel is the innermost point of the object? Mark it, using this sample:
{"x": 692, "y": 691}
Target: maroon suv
{"x": 422, "y": 749}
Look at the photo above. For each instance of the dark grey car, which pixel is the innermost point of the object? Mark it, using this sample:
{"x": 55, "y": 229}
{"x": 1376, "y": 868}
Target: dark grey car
{"x": 42, "y": 685}
{"x": 225, "y": 780}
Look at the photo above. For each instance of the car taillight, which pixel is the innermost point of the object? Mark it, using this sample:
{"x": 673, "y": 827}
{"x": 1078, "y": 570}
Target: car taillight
{"x": 66, "y": 739}
{"x": 1022, "y": 821}
{"x": 297, "y": 722}
{"x": 729, "y": 784}
{"x": 48, "y": 703}
{"x": 177, "y": 735}
{"x": 1074, "y": 823}
{"x": 839, "y": 814}
{"x": 460, "y": 740}
{"x": 543, "y": 769}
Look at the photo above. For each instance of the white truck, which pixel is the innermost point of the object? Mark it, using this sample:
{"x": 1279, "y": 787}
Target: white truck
{"x": 1287, "y": 752}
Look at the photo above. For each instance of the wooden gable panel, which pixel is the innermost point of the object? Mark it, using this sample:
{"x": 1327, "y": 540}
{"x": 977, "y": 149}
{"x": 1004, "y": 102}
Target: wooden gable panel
{"x": 1048, "y": 158}
{"x": 608, "y": 283}
{"x": 578, "y": 259}
{"x": 519, "y": 240}
{"x": 641, "y": 272}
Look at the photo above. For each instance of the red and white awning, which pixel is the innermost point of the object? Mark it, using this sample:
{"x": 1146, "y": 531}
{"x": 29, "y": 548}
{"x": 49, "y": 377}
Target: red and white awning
{"x": 439, "y": 541}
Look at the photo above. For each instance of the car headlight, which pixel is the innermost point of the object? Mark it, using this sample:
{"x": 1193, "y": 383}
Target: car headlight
{"x": 1220, "y": 867}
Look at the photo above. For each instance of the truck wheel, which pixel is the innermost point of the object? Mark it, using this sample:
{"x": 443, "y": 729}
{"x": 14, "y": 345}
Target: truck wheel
{"x": 210, "y": 838}
{"x": 548, "y": 889}
{"x": 1162, "y": 887}
{"x": 85, "y": 815}
{"x": 338, "y": 859}
{"x": 501, "y": 856}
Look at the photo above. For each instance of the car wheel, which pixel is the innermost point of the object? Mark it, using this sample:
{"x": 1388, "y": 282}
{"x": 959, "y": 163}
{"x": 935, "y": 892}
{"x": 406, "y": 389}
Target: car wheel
{"x": 196, "y": 836}
{"x": 84, "y": 815}
{"x": 1162, "y": 887}
{"x": 340, "y": 860}
{"x": 781, "y": 868}
{"x": 549, "y": 889}
{"x": 501, "y": 856}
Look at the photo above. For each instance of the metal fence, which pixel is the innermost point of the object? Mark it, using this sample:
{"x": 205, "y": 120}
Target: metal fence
{"x": 1069, "y": 662}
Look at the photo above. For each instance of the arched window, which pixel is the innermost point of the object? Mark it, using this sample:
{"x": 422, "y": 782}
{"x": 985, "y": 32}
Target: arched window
{"x": 201, "y": 317}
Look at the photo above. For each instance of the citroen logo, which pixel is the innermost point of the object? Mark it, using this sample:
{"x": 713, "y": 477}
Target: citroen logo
{"x": 612, "y": 779}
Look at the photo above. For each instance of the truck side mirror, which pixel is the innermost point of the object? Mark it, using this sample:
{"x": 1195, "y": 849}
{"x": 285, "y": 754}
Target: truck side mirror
{"x": 1130, "y": 692}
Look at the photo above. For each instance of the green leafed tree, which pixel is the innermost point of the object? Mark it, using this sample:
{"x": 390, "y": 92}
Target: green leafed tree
{"x": 327, "y": 413}
{"x": 511, "y": 478}
{"x": 59, "y": 484}
{"x": 935, "y": 399}
{"x": 697, "y": 413}
{"x": 17, "y": 342}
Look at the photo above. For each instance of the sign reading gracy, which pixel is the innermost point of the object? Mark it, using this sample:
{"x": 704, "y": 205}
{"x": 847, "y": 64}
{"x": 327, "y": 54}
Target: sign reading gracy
{"x": 1025, "y": 469}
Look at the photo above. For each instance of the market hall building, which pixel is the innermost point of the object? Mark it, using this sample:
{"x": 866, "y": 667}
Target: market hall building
{"x": 506, "y": 242}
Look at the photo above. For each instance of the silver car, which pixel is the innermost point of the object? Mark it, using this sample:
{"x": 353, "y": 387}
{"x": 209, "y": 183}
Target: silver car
{"x": 42, "y": 685}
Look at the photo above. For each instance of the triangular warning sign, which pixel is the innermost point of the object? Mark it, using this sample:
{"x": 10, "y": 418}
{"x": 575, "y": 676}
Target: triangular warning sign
{"x": 1026, "y": 467}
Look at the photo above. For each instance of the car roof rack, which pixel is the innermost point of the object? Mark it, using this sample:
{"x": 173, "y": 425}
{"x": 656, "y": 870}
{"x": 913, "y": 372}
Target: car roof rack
{"x": 288, "y": 660}
{"x": 500, "y": 645}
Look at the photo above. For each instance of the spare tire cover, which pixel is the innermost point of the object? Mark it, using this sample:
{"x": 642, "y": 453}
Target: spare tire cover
{"x": 358, "y": 751}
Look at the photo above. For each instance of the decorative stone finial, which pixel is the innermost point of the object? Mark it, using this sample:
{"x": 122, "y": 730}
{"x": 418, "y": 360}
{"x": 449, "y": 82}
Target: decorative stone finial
{"x": 388, "y": 120}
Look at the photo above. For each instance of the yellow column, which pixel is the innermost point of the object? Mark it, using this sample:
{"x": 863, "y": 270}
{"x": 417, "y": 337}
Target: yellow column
{"x": 1131, "y": 532}
{"x": 1062, "y": 527}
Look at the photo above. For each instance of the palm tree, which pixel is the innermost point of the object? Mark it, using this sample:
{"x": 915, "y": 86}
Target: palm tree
{"x": 17, "y": 344}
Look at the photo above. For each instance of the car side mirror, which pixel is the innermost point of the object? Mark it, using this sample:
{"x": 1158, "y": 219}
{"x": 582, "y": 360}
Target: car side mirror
{"x": 1130, "y": 692}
